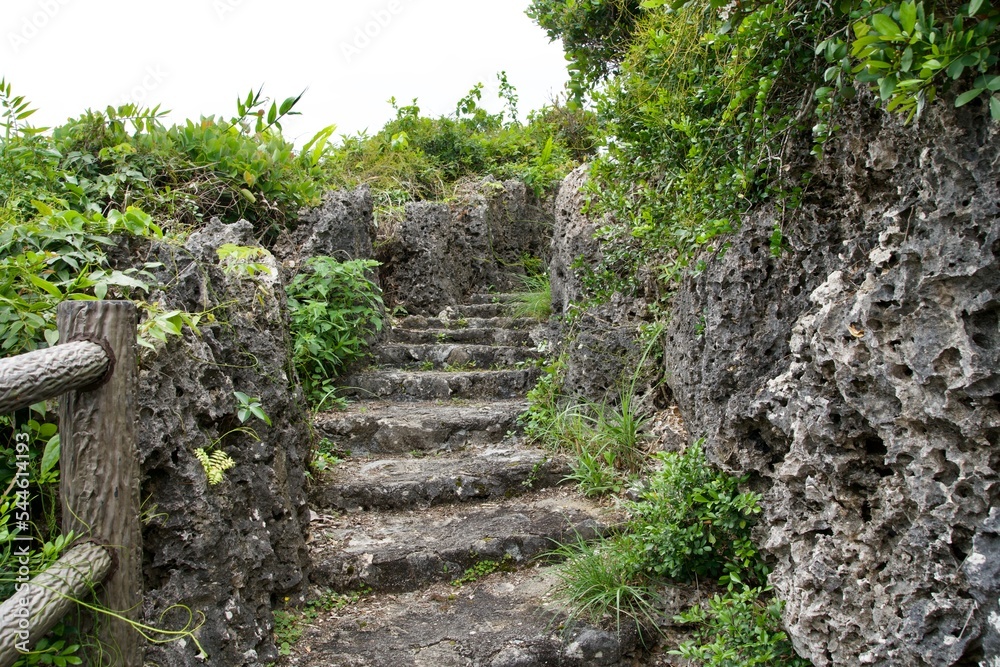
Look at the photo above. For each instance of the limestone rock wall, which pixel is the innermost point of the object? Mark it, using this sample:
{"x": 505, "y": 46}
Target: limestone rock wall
{"x": 572, "y": 241}
{"x": 226, "y": 552}
{"x": 342, "y": 227}
{"x": 444, "y": 252}
{"x": 857, "y": 377}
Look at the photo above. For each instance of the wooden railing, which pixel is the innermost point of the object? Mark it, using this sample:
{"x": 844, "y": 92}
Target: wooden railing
{"x": 94, "y": 373}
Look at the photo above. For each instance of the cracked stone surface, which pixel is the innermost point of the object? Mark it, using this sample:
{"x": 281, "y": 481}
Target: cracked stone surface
{"x": 501, "y": 471}
{"x": 429, "y": 385}
{"x": 374, "y": 427}
{"x": 506, "y": 620}
{"x": 406, "y": 550}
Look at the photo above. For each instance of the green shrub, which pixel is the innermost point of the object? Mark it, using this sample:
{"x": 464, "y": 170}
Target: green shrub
{"x": 691, "y": 523}
{"x": 695, "y": 523}
{"x": 603, "y": 578}
{"x": 335, "y": 309}
{"x": 701, "y": 104}
{"x": 415, "y": 157}
{"x": 739, "y": 629}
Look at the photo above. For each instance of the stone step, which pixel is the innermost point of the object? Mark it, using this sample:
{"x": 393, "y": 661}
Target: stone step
{"x": 432, "y": 385}
{"x": 451, "y": 356}
{"x": 400, "y": 551}
{"x": 504, "y": 620}
{"x": 421, "y": 322}
{"x": 493, "y": 298}
{"x": 423, "y": 481}
{"x": 492, "y": 336}
{"x": 378, "y": 427}
{"x": 479, "y": 310}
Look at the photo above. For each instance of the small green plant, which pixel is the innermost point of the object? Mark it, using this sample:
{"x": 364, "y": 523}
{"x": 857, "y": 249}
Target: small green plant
{"x": 594, "y": 472}
{"x": 601, "y": 579}
{"x": 325, "y": 457}
{"x": 215, "y": 464}
{"x": 484, "y": 568}
{"x": 215, "y": 461}
{"x": 336, "y": 308}
{"x": 536, "y": 470}
{"x": 287, "y": 630}
{"x": 250, "y": 407}
{"x": 243, "y": 260}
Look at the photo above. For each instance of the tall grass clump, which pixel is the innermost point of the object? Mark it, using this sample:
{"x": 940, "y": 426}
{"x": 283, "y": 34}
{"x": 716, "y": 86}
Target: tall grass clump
{"x": 535, "y": 298}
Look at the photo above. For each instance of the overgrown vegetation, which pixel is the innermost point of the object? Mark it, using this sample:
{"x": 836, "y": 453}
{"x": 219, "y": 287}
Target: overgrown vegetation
{"x": 67, "y": 196}
{"x": 415, "y": 157}
{"x": 703, "y": 108}
{"x": 700, "y": 105}
{"x": 691, "y": 524}
{"x": 336, "y": 307}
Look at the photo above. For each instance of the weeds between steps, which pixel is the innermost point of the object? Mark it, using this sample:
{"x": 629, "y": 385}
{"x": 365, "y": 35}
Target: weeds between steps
{"x": 691, "y": 523}
{"x": 288, "y": 623}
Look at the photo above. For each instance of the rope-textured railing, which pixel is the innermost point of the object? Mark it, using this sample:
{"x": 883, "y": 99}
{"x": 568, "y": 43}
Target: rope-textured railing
{"x": 38, "y": 376}
{"x": 95, "y": 375}
{"x": 41, "y": 603}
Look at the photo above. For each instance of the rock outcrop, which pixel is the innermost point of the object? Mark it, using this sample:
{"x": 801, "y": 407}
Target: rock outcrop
{"x": 573, "y": 242}
{"x": 226, "y": 552}
{"x": 857, "y": 377}
{"x": 343, "y": 227}
{"x": 443, "y": 253}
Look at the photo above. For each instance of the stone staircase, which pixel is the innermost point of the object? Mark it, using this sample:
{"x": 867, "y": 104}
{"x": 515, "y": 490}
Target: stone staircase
{"x": 442, "y": 515}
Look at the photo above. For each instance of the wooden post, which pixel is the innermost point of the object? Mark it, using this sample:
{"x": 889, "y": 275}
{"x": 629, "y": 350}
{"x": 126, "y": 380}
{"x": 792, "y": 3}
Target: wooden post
{"x": 99, "y": 477}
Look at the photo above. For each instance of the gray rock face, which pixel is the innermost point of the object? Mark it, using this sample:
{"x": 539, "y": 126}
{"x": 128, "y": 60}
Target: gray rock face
{"x": 229, "y": 551}
{"x": 572, "y": 240}
{"x": 858, "y": 377}
{"x": 342, "y": 226}
{"x": 444, "y": 253}
{"x": 601, "y": 359}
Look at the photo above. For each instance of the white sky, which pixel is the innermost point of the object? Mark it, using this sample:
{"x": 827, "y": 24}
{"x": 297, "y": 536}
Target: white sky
{"x": 196, "y": 56}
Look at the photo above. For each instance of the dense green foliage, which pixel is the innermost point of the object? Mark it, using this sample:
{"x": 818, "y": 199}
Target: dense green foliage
{"x": 738, "y": 629}
{"x": 415, "y": 157}
{"x": 703, "y": 106}
{"x": 111, "y": 160}
{"x": 707, "y": 109}
{"x": 336, "y": 308}
{"x": 596, "y": 35}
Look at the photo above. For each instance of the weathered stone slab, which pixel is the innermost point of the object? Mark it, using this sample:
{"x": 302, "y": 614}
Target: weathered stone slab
{"x": 428, "y": 386}
{"x": 408, "y": 482}
{"x": 411, "y": 549}
{"x": 445, "y": 356}
{"x": 506, "y": 620}
{"x": 490, "y": 336}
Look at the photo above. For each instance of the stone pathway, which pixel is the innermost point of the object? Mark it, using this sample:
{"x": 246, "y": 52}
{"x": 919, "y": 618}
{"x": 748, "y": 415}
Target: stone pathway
{"x": 442, "y": 514}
